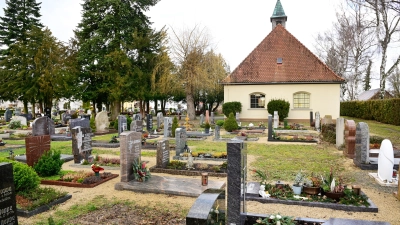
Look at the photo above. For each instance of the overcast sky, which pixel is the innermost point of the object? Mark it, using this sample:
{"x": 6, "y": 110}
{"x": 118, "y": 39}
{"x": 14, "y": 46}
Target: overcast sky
{"x": 236, "y": 27}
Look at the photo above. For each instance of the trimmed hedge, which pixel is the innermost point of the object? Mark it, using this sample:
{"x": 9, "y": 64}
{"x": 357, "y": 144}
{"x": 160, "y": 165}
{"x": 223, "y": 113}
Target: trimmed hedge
{"x": 381, "y": 110}
{"x": 231, "y": 107}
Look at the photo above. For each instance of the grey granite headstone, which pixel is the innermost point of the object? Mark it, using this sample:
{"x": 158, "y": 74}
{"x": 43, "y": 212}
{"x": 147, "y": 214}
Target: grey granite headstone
{"x": 66, "y": 117}
{"x": 122, "y": 124}
{"x": 167, "y": 127}
{"x": 217, "y": 132}
{"x": 162, "y": 153}
{"x": 81, "y": 144}
{"x": 8, "y": 115}
{"x": 17, "y": 112}
{"x": 149, "y": 122}
{"x": 237, "y": 118}
{"x": 8, "y": 205}
{"x": 20, "y": 118}
{"x": 236, "y": 178}
{"x": 362, "y": 143}
{"x": 80, "y": 122}
{"x": 317, "y": 121}
{"x": 43, "y": 126}
{"x": 160, "y": 118}
{"x": 130, "y": 148}
{"x": 212, "y": 118}
{"x": 180, "y": 140}
{"x": 270, "y": 130}
{"x": 138, "y": 116}
{"x": 201, "y": 119}
{"x": 339, "y": 132}
{"x": 29, "y": 116}
{"x": 137, "y": 126}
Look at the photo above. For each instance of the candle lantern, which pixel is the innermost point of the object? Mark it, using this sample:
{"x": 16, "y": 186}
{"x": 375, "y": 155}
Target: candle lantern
{"x": 204, "y": 179}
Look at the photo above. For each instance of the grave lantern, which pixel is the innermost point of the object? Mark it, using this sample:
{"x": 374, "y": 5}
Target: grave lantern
{"x": 204, "y": 179}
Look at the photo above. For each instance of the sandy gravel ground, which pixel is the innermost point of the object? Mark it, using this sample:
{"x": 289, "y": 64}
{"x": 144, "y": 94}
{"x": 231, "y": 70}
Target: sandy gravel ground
{"x": 389, "y": 206}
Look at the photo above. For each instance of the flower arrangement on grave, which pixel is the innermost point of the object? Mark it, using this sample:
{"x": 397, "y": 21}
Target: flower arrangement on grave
{"x": 241, "y": 133}
{"x": 298, "y": 179}
{"x": 312, "y": 185}
{"x": 261, "y": 124}
{"x": 330, "y": 184}
{"x": 96, "y": 168}
{"x": 114, "y": 140}
{"x": 261, "y": 175}
{"x": 276, "y": 219}
{"x": 140, "y": 171}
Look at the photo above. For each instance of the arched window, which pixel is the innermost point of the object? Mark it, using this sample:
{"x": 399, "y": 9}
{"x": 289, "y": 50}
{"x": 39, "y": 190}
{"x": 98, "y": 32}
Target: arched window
{"x": 301, "y": 100}
{"x": 257, "y": 100}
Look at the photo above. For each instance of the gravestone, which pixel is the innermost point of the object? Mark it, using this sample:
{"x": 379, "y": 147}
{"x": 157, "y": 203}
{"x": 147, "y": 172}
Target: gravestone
{"x": 236, "y": 178}
{"x": 327, "y": 120}
{"x": 149, "y": 122}
{"x": 81, "y": 144}
{"x": 130, "y": 148}
{"x": 270, "y": 130}
{"x": 350, "y": 138}
{"x": 217, "y": 132}
{"x": 8, "y": 205}
{"x": 47, "y": 112}
{"x": 137, "y": 126}
{"x": 212, "y": 118}
{"x": 180, "y": 140}
{"x": 20, "y": 118}
{"x": 167, "y": 127}
{"x": 122, "y": 124}
{"x": 24, "y": 115}
{"x": 7, "y": 115}
{"x": 159, "y": 119}
{"x": 201, "y": 119}
{"x": 29, "y": 116}
{"x": 80, "y": 122}
{"x": 43, "y": 126}
{"x": 207, "y": 117}
{"x": 361, "y": 144}
{"x": 237, "y": 118}
{"x": 162, "y": 153}
{"x": 311, "y": 119}
{"x": 339, "y": 132}
{"x": 17, "y": 112}
{"x": 276, "y": 119}
{"x": 102, "y": 122}
{"x": 317, "y": 121}
{"x": 386, "y": 161}
{"x": 66, "y": 117}
{"x": 36, "y": 146}
{"x": 138, "y": 116}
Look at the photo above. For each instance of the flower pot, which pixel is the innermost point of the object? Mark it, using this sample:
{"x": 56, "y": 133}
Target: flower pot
{"x": 311, "y": 190}
{"x": 207, "y": 130}
{"x": 334, "y": 196}
{"x": 97, "y": 174}
{"x": 296, "y": 189}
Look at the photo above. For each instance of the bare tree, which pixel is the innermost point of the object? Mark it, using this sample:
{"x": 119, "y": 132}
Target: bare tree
{"x": 189, "y": 47}
{"x": 394, "y": 81}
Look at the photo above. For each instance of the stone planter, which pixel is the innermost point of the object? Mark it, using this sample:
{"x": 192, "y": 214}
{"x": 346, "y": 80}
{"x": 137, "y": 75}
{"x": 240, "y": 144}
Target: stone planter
{"x": 311, "y": 190}
{"x": 5, "y": 135}
{"x": 334, "y": 196}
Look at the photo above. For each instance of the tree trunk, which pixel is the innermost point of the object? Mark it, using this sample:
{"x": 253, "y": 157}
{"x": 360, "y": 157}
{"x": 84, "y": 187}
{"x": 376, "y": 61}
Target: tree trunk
{"x": 148, "y": 107}
{"x": 25, "y": 106}
{"x": 115, "y": 110}
{"x": 215, "y": 108}
{"x": 162, "y": 103}
{"x": 93, "y": 110}
{"x": 190, "y": 106}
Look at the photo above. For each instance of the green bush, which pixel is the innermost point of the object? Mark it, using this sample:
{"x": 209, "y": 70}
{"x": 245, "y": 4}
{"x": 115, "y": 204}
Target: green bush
{"x": 14, "y": 124}
{"x": 174, "y": 125}
{"x": 328, "y": 132}
{"x": 92, "y": 123}
{"x": 220, "y": 123}
{"x": 25, "y": 177}
{"x": 230, "y": 123}
{"x": 49, "y": 164}
{"x": 280, "y": 105}
{"x": 231, "y": 107}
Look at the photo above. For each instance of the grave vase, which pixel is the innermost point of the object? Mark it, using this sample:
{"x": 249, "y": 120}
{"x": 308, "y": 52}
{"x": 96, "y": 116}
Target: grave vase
{"x": 207, "y": 130}
{"x": 97, "y": 174}
{"x": 296, "y": 189}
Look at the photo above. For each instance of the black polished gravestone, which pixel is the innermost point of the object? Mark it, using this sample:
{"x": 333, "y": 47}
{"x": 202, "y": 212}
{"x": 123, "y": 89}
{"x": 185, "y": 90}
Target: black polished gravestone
{"x": 8, "y": 205}
{"x": 149, "y": 122}
{"x": 47, "y": 112}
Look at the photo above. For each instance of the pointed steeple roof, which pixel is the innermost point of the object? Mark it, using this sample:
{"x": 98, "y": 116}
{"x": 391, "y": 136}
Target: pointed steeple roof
{"x": 278, "y": 11}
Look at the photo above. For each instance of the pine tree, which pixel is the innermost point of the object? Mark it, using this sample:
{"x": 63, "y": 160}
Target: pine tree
{"x": 19, "y": 18}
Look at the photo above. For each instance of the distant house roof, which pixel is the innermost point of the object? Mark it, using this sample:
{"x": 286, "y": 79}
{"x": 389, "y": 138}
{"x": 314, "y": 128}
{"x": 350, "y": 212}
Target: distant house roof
{"x": 281, "y": 58}
{"x": 372, "y": 94}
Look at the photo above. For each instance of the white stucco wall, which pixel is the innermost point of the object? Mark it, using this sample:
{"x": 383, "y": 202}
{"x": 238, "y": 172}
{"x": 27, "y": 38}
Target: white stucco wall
{"x": 324, "y": 98}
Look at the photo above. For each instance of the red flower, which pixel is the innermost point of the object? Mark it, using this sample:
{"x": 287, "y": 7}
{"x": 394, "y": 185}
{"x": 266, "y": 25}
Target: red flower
{"x": 96, "y": 168}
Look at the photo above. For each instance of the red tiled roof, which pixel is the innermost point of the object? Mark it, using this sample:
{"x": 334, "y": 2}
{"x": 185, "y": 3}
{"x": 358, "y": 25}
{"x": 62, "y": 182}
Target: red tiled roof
{"x": 299, "y": 65}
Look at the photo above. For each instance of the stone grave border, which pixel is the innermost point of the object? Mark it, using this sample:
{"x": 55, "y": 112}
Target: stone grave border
{"x": 154, "y": 169}
{"x": 72, "y": 184}
{"x": 103, "y": 144}
{"x": 43, "y": 208}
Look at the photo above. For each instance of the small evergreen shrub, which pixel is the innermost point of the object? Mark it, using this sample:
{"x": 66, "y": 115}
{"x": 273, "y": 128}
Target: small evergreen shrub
{"x": 25, "y": 177}
{"x": 280, "y": 105}
{"x": 231, "y": 107}
{"x": 92, "y": 123}
{"x": 14, "y": 124}
{"x": 174, "y": 125}
{"x": 220, "y": 123}
{"x": 128, "y": 122}
{"x": 49, "y": 164}
{"x": 230, "y": 123}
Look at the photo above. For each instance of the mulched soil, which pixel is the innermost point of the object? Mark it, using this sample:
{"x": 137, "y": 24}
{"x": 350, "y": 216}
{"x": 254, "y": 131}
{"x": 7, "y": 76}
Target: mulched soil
{"x": 123, "y": 214}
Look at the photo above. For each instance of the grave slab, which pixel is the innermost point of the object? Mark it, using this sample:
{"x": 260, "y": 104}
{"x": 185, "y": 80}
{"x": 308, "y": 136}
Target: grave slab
{"x": 395, "y": 182}
{"x": 64, "y": 157}
{"x": 170, "y": 185}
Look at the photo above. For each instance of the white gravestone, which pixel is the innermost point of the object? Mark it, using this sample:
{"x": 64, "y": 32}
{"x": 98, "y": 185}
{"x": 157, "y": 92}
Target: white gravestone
{"x": 386, "y": 161}
{"x": 276, "y": 119}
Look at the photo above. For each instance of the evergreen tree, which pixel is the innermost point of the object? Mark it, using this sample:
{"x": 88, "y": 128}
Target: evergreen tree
{"x": 113, "y": 49}
{"x": 20, "y": 16}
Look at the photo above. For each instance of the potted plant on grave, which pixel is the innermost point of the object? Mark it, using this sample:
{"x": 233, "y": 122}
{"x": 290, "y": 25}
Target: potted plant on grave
{"x": 333, "y": 189}
{"x": 140, "y": 171}
{"x": 297, "y": 186}
{"x": 312, "y": 185}
{"x": 207, "y": 127}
